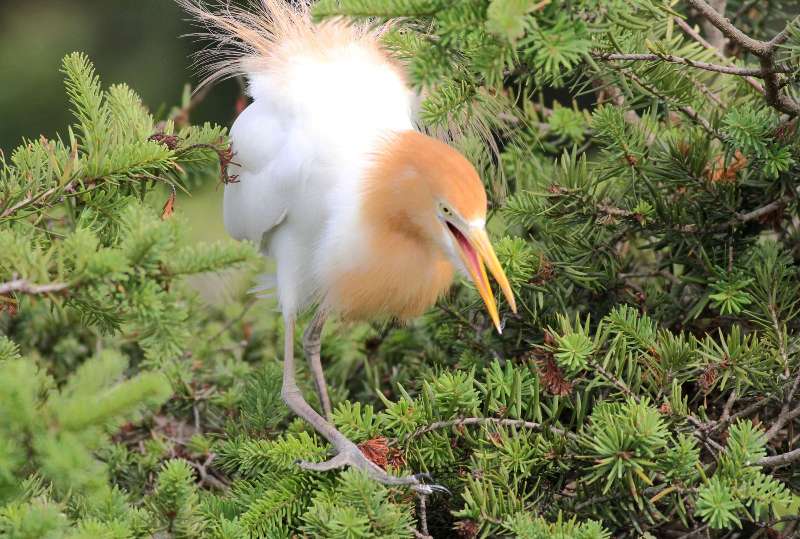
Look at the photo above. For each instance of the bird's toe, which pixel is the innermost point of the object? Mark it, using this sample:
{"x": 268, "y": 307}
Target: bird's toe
{"x": 423, "y": 476}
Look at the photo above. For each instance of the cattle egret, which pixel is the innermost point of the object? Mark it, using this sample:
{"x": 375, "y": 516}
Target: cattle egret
{"x": 365, "y": 216}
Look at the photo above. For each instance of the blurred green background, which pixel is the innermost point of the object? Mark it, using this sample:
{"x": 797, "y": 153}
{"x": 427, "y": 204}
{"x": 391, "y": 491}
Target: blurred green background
{"x": 134, "y": 41}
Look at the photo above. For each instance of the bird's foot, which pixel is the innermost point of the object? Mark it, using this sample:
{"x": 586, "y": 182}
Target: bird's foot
{"x": 351, "y": 455}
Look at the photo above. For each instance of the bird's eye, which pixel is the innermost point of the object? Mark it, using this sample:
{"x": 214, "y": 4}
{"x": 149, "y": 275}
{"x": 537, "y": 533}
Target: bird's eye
{"x": 446, "y": 210}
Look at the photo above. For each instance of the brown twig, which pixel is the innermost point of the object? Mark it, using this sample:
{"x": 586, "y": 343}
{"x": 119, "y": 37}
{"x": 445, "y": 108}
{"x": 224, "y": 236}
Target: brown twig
{"x": 751, "y": 409}
{"x": 206, "y": 477}
{"x": 757, "y": 47}
{"x": 757, "y": 213}
{"x": 726, "y": 412}
{"x": 694, "y": 532}
{"x": 764, "y": 210}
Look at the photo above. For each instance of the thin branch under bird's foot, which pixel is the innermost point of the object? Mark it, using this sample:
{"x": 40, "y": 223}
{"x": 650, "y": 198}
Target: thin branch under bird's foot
{"x": 351, "y": 455}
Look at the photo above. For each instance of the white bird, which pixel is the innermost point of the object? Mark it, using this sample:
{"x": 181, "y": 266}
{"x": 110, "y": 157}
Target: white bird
{"x": 365, "y": 216}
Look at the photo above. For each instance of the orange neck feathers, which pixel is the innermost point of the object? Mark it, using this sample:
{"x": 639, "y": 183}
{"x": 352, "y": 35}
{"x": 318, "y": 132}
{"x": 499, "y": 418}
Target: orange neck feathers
{"x": 407, "y": 267}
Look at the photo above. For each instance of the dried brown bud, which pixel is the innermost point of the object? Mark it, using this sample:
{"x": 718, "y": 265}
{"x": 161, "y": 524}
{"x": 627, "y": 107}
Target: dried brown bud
{"x": 467, "y": 529}
{"x": 170, "y": 141}
{"x": 553, "y": 378}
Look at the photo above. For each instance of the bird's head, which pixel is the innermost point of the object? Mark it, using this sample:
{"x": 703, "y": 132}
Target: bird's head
{"x": 435, "y": 194}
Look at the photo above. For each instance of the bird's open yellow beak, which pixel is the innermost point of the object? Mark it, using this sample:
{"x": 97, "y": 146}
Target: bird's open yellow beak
{"x": 477, "y": 253}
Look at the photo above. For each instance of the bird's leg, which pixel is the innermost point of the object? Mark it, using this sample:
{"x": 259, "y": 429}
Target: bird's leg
{"x": 312, "y": 343}
{"x": 347, "y": 453}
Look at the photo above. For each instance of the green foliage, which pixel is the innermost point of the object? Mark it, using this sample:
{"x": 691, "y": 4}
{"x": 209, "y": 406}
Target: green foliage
{"x": 356, "y": 507}
{"x": 175, "y": 499}
{"x": 92, "y": 303}
{"x": 626, "y": 437}
{"x": 525, "y": 526}
{"x": 647, "y": 215}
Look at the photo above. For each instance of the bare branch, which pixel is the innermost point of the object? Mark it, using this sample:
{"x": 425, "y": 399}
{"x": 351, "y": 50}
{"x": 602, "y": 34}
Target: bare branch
{"x": 772, "y": 85}
{"x": 762, "y": 211}
{"x": 423, "y": 515}
{"x": 783, "y": 458}
{"x": 726, "y": 412}
{"x": 25, "y": 287}
{"x": 786, "y": 414}
{"x": 749, "y": 410}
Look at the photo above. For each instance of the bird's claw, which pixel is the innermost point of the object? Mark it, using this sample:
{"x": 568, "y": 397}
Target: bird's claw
{"x": 426, "y": 489}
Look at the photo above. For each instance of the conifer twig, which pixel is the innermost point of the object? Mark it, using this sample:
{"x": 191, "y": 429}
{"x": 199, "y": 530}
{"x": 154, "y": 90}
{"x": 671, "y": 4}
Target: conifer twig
{"x": 689, "y": 31}
{"x": 700, "y": 428}
{"x": 32, "y": 199}
{"x": 462, "y": 421}
{"x": 619, "y": 384}
{"x": 650, "y": 57}
{"x": 685, "y": 109}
